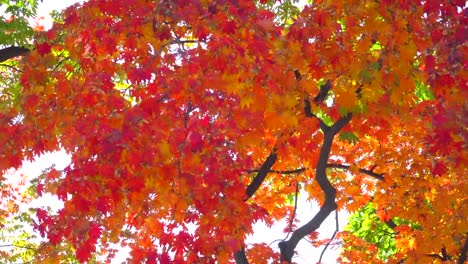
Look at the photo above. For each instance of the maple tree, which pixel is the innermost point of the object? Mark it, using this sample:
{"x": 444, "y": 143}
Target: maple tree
{"x": 19, "y": 25}
{"x": 188, "y": 121}
{"x": 14, "y": 32}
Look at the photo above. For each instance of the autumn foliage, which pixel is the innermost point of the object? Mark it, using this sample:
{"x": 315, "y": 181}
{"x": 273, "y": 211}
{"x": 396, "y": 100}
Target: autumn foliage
{"x": 188, "y": 121}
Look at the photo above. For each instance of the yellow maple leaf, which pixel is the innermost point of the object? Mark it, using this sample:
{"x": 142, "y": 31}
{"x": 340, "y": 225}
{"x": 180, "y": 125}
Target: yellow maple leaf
{"x": 246, "y": 101}
{"x": 165, "y": 150}
{"x": 347, "y": 98}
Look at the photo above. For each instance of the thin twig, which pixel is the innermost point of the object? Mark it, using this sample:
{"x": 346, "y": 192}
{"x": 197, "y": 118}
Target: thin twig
{"x": 11, "y": 67}
{"x": 333, "y": 236}
{"x": 294, "y": 211}
{"x": 60, "y": 63}
{"x": 13, "y": 245}
{"x": 295, "y": 171}
{"x": 378, "y": 176}
{"x": 292, "y": 217}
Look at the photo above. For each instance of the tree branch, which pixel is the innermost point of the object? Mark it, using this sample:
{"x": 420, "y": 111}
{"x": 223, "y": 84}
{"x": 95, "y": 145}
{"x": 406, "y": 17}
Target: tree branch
{"x": 378, "y": 176}
{"x": 337, "y": 227}
{"x": 240, "y": 257}
{"x": 434, "y": 255}
{"x": 295, "y": 171}
{"x": 319, "y": 98}
{"x": 12, "y": 52}
{"x": 287, "y": 247}
{"x": 291, "y": 221}
{"x": 308, "y": 113}
{"x": 464, "y": 251}
{"x": 294, "y": 211}
{"x": 11, "y": 67}
{"x": 323, "y": 93}
{"x": 261, "y": 175}
{"x": 13, "y": 245}
{"x": 391, "y": 224}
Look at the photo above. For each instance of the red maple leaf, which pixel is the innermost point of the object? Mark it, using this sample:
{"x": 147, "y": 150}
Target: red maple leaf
{"x": 439, "y": 169}
{"x": 43, "y": 48}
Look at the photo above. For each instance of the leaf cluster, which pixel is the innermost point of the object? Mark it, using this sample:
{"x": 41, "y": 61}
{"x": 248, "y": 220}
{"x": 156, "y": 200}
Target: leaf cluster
{"x": 15, "y": 28}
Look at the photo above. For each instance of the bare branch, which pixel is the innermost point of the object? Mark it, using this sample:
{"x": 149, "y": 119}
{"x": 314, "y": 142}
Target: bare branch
{"x": 12, "y": 52}
{"x": 294, "y": 211}
{"x": 323, "y": 93}
{"x": 308, "y": 113}
{"x": 60, "y": 62}
{"x": 437, "y": 256}
{"x": 297, "y": 74}
{"x": 378, "y": 176}
{"x": 320, "y": 97}
{"x": 390, "y": 224}
{"x": 292, "y": 217}
{"x": 295, "y": 171}
{"x": 261, "y": 174}
{"x": 11, "y": 67}
{"x": 337, "y": 227}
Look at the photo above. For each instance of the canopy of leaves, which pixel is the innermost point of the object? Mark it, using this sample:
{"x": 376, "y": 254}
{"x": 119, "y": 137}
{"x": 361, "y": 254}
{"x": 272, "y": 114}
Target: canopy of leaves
{"x": 188, "y": 121}
{"x": 16, "y": 35}
{"x": 367, "y": 225}
{"x": 15, "y": 29}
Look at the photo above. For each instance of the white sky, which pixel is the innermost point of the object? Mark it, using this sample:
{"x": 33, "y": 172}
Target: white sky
{"x": 47, "y": 6}
{"x": 306, "y": 253}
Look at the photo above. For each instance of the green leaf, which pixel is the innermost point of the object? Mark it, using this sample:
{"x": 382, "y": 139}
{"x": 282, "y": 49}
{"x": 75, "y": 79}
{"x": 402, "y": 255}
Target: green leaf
{"x": 366, "y": 225}
{"x": 350, "y": 137}
{"x": 423, "y": 92}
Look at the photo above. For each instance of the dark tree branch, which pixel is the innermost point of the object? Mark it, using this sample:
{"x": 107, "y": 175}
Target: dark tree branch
{"x": 295, "y": 171}
{"x": 308, "y": 113}
{"x": 323, "y": 93}
{"x": 240, "y": 257}
{"x": 464, "y": 251}
{"x": 261, "y": 175}
{"x": 308, "y": 108}
{"x": 294, "y": 211}
{"x": 391, "y": 224}
{"x": 337, "y": 227}
{"x": 287, "y": 247}
{"x": 445, "y": 255}
{"x": 343, "y": 121}
{"x": 12, "y": 52}
{"x": 442, "y": 258}
{"x": 378, "y": 176}
{"x": 11, "y": 67}
{"x": 297, "y": 74}
{"x": 320, "y": 97}
{"x": 292, "y": 217}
